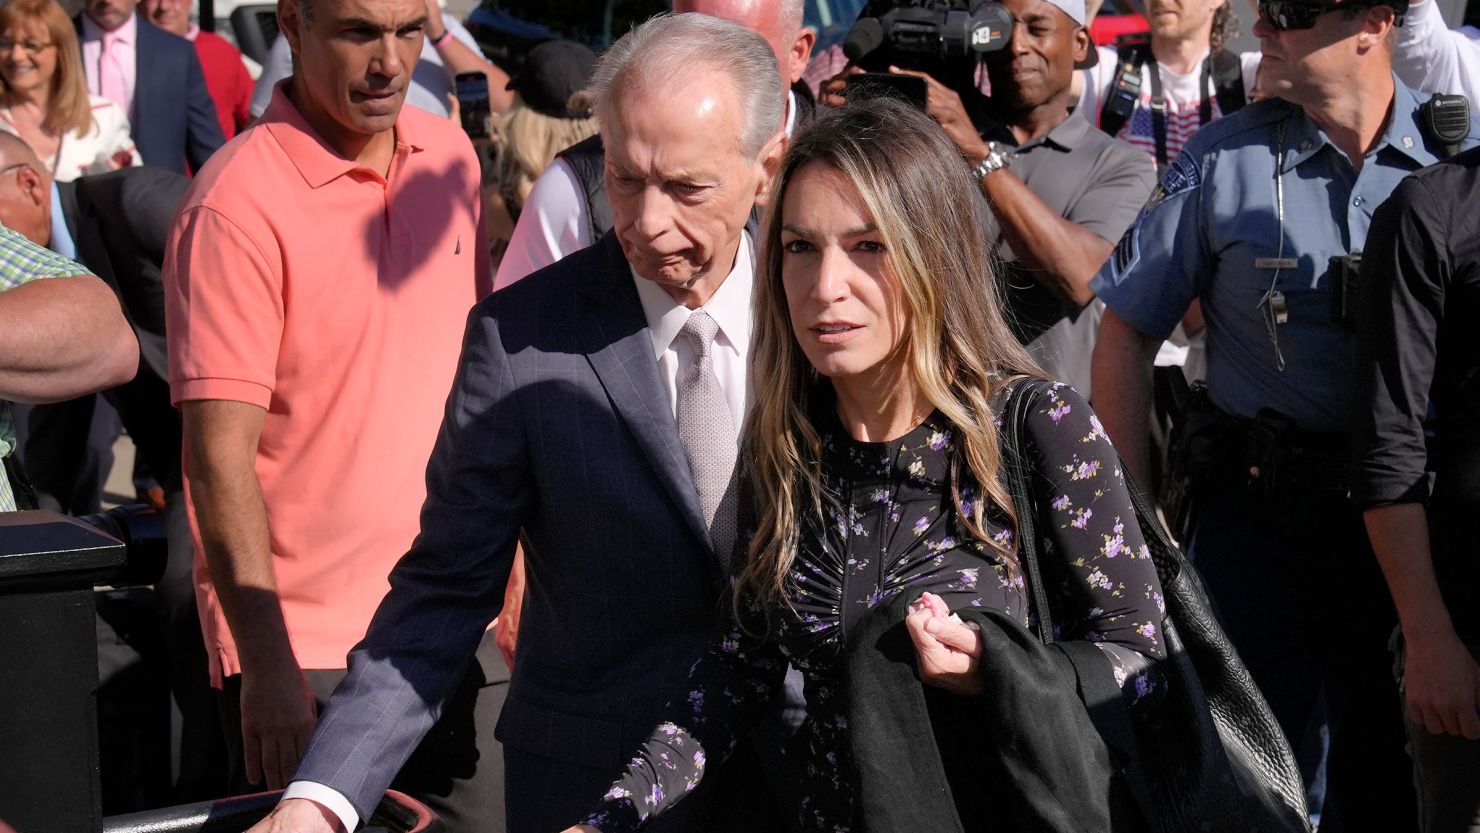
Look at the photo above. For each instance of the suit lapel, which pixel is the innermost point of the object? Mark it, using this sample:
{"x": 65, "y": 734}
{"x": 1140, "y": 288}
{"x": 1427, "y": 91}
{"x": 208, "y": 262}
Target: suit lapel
{"x": 619, "y": 346}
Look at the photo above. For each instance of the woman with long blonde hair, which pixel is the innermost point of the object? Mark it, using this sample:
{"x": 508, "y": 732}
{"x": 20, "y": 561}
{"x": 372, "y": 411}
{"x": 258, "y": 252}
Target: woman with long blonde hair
{"x": 549, "y": 114}
{"x": 881, "y": 365}
{"x": 44, "y": 98}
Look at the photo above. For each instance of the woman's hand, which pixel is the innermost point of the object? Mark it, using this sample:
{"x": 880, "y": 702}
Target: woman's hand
{"x": 581, "y": 828}
{"x": 948, "y": 650}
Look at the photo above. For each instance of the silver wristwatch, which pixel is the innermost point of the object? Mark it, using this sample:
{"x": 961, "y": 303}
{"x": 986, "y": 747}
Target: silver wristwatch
{"x": 996, "y": 160}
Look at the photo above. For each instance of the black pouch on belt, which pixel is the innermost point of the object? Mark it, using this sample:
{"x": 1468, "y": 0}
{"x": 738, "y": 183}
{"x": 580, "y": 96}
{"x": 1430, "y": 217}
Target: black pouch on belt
{"x": 1266, "y": 446}
{"x": 1196, "y": 452}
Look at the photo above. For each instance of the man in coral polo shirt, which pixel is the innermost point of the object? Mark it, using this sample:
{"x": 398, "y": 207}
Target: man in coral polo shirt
{"x": 227, "y": 78}
{"x": 318, "y": 279}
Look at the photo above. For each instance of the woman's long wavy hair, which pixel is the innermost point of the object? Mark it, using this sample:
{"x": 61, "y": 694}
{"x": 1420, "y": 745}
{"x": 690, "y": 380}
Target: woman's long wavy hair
{"x": 68, "y": 110}
{"x": 932, "y": 219}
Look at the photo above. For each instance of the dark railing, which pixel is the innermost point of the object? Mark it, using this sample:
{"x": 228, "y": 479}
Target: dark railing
{"x": 397, "y": 813}
{"x": 49, "y": 775}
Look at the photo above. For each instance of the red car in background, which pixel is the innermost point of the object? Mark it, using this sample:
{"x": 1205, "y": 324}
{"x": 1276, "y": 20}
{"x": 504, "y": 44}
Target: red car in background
{"x": 1115, "y": 19}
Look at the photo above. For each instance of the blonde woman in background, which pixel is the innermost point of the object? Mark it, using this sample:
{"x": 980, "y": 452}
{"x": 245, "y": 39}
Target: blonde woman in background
{"x": 44, "y": 98}
{"x": 549, "y": 114}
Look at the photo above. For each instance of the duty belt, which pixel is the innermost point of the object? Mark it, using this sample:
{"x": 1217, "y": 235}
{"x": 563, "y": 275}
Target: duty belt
{"x": 1277, "y": 458}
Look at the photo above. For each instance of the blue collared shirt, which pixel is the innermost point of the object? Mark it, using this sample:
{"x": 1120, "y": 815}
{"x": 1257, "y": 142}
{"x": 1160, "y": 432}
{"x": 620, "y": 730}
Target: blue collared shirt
{"x": 1212, "y": 232}
{"x": 61, "y": 238}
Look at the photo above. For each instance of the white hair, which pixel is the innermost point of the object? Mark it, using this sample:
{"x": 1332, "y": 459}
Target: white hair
{"x": 670, "y": 46}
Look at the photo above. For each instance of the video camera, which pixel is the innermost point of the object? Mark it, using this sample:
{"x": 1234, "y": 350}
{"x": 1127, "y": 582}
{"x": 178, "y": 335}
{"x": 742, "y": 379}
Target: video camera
{"x": 917, "y": 34}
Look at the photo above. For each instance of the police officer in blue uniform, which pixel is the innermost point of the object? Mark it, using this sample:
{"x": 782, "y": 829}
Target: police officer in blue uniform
{"x": 1259, "y": 218}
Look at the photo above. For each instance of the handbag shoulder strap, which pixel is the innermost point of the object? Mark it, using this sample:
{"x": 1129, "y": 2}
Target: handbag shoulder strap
{"x": 1095, "y": 679}
{"x": 1017, "y": 476}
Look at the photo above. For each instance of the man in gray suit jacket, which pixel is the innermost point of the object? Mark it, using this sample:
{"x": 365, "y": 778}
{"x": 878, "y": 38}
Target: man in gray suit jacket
{"x": 595, "y": 411}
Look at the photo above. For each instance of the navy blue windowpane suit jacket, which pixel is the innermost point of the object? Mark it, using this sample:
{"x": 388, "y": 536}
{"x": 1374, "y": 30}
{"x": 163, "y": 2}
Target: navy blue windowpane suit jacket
{"x": 557, "y": 426}
{"x": 173, "y": 117}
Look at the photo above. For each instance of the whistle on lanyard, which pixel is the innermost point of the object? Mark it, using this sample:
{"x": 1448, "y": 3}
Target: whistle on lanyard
{"x": 1279, "y": 311}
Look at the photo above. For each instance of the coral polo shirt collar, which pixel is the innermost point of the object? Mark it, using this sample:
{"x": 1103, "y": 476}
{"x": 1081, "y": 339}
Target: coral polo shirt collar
{"x": 317, "y": 162}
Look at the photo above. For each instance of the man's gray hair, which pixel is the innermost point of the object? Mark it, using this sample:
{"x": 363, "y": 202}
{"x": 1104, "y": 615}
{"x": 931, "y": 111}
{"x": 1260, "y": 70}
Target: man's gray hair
{"x": 670, "y": 46}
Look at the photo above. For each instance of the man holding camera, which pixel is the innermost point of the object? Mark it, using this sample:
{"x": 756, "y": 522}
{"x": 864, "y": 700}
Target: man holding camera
{"x": 1060, "y": 190}
{"x": 1262, "y": 218}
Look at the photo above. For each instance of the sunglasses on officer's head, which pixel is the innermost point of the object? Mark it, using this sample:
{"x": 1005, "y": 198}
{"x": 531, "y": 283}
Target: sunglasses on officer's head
{"x": 1285, "y": 15}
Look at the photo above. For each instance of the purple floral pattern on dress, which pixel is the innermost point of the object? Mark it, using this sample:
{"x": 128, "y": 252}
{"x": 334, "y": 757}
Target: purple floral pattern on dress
{"x": 891, "y": 528}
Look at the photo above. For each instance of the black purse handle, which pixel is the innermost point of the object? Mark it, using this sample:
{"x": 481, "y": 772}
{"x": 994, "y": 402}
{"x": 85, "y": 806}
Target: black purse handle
{"x": 1091, "y": 667}
{"x": 1018, "y": 477}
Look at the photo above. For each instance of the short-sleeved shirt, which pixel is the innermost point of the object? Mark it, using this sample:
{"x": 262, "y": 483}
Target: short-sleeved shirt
{"x": 22, "y": 261}
{"x": 1095, "y": 182}
{"x": 335, "y": 299}
{"x": 1212, "y": 232}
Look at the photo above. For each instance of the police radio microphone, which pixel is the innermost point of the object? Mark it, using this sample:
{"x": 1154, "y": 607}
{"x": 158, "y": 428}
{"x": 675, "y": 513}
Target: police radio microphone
{"x": 1446, "y": 120}
{"x": 928, "y": 29}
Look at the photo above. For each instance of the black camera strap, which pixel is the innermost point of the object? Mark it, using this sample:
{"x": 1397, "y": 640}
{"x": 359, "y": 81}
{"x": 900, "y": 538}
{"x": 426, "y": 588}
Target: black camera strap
{"x": 1227, "y": 72}
{"x": 1159, "y": 113}
{"x": 1221, "y": 69}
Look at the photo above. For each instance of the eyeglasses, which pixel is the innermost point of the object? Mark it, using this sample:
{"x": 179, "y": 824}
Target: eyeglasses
{"x": 1285, "y": 15}
{"x": 29, "y": 47}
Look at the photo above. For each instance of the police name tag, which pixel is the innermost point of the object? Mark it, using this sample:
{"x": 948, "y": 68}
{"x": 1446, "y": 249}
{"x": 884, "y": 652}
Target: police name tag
{"x": 1276, "y": 263}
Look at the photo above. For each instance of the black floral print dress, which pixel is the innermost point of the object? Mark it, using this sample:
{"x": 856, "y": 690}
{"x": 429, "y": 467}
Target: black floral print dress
{"x": 894, "y": 529}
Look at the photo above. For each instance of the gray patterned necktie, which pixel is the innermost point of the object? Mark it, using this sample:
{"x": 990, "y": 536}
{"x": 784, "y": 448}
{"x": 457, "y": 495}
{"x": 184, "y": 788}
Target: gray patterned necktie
{"x": 707, "y": 433}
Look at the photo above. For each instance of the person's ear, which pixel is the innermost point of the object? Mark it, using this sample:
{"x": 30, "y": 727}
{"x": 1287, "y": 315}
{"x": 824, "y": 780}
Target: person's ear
{"x": 1082, "y": 44}
{"x": 34, "y": 186}
{"x": 769, "y": 163}
{"x": 801, "y": 53}
{"x": 290, "y": 21}
{"x": 1377, "y": 22}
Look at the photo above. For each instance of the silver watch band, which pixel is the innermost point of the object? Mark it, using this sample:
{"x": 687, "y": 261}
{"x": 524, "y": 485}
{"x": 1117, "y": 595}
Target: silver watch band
{"x": 995, "y": 160}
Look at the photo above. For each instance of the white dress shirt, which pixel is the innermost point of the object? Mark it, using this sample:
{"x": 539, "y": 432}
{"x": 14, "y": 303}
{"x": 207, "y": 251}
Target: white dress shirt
{"x": 729, "y": 306}
{"x": 554, "y": 222}
{"x": 1431, "y": 57}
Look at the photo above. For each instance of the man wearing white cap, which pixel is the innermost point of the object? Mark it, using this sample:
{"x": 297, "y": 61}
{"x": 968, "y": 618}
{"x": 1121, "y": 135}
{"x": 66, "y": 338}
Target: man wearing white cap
{"x": 1061, "y": 191}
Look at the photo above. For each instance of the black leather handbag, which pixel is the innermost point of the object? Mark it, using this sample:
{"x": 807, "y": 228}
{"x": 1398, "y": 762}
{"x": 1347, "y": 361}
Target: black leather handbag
{"x": 1209, "y": 757}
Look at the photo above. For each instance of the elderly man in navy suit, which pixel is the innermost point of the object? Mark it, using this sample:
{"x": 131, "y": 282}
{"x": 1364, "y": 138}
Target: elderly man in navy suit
{"x": 596, "y": 411}
{"x": 156, "y": 78}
